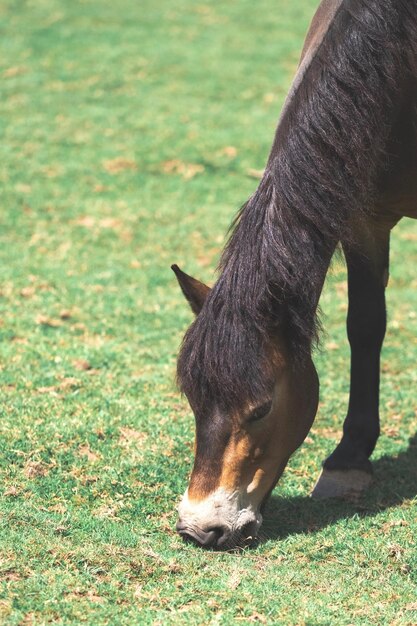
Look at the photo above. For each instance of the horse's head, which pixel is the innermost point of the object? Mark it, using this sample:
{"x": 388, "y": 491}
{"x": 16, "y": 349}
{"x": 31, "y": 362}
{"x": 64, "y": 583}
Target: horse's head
{"x": 242, "y": 446}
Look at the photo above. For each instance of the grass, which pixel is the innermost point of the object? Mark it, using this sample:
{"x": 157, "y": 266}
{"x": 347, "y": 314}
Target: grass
{"x": 130, "y": 134}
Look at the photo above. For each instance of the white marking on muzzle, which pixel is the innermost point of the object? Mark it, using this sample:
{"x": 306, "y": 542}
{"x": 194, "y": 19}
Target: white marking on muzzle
{"x": 220, "y": 509}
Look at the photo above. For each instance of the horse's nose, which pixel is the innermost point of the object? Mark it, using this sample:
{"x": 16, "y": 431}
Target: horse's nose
{"x": 204, "y": 538}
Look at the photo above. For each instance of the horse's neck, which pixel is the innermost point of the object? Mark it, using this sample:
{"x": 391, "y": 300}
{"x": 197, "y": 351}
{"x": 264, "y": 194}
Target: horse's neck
{"x": 319, "y": 27}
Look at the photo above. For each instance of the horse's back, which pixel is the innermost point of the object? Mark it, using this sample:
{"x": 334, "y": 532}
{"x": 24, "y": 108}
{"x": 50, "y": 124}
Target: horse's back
{"x": 397, "y": 191}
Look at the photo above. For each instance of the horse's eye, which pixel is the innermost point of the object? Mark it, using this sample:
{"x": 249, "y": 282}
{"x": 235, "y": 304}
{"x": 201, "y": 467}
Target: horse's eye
{"x": 260, "y": 412}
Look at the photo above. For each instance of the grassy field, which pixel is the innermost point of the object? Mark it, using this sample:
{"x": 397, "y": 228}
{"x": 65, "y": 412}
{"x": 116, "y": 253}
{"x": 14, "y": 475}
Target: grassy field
{"x": 130, "y": 134}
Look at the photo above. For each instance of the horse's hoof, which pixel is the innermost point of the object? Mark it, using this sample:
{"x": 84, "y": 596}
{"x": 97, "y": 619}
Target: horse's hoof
{"x": 345, "y": 484}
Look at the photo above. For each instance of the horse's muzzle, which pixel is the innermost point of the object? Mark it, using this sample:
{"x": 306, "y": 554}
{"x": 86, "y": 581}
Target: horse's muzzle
{"x": 204, "y": 538}
{"x": 218, "y": 538}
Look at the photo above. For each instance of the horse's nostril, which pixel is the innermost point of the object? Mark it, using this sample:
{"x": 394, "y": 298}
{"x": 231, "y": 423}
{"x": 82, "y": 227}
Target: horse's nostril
{"x": 188, "y": 537}
{"x": 205, "y": 538}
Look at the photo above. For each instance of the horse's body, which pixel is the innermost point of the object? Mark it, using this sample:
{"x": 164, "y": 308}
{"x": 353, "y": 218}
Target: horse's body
{"x": 343, "y": 168}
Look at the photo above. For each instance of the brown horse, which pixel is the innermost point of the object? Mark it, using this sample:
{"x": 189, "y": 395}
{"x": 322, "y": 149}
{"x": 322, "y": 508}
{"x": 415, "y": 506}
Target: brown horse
{"x": 342, "y": 169}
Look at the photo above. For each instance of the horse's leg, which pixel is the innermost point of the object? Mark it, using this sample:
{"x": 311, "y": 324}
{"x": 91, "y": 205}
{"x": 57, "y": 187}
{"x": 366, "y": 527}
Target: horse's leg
{"x": 348, "y": 471}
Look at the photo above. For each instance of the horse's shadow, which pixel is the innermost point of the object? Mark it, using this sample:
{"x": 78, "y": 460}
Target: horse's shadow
{"x": 395, "y": 480}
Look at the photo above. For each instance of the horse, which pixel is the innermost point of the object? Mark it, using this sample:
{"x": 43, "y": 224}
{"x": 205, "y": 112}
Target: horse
{"x": 342, "y": 172}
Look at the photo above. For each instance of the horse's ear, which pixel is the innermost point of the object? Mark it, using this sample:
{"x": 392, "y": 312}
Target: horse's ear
{"x": 195, "y": 292}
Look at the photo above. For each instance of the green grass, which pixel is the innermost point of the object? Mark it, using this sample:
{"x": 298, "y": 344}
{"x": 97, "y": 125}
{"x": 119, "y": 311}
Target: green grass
{"x": 129, "y": 136}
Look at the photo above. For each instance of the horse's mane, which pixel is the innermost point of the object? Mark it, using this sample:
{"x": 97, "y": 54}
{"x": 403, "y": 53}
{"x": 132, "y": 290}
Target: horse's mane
{"x": 323, "y": 173}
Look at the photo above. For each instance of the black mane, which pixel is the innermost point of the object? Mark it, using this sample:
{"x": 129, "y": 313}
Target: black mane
{"x": 324, "y": 170}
